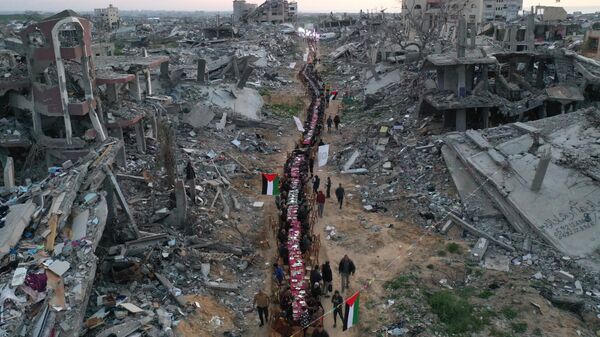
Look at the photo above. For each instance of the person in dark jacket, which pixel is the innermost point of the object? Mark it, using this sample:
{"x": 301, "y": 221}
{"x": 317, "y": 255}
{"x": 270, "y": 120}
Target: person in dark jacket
{"x": 329, "y": 123}
{"x": 328, "y": 188}
{"x": 316, "y": 183}
{"x": 315, "y": 291}
{"x": 337, "y": 300}
{"x": 327, "y": 278}
{"x": 278, "y": 273}
{"x": 315, "y": 275}
{"x": 346, "y": 268}
{"x": 336, "y": 121}
{"x": 339, "y": 194}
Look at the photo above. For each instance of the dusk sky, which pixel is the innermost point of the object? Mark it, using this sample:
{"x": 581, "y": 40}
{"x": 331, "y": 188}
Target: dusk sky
{"x": 226, "y": 5}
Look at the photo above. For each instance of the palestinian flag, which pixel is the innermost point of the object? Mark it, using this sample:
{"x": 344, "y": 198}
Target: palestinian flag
{"x": 270, "y": 184}
{"x": 351, "y": 317}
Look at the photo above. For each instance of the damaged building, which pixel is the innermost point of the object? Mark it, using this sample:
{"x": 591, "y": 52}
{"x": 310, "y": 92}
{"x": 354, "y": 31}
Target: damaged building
{"x": 479, "y": 87}
{"x": 92, "y": 172}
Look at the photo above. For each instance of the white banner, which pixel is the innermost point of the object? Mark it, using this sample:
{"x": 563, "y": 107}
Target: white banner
{"x": 323, "y": 155}
{"x": 299, "y": 124}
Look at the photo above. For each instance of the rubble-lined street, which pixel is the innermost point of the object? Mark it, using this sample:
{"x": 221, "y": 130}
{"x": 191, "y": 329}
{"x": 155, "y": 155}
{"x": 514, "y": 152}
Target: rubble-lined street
{"x": 432, "y": 172}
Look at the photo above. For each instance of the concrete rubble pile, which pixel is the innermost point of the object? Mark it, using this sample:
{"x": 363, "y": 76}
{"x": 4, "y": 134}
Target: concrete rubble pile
{"x": 515, "y": 219}
{"x": 115, "y": 237}
{"x": 528, "y": 180}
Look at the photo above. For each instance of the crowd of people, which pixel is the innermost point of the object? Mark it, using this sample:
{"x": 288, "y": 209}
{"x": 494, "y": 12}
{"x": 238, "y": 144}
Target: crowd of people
{"x": 299, "y": 287}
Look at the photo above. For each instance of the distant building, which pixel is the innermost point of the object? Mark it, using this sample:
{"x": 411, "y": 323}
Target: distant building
{"x": 442, "y": 14}
{"x": 548, "y": 13}
{"x": 274, "y": 11}
{"x": 107, "y": 18}
{"x": 241, "y": 9}
{"x": 500, "y": 10}
{"x": 591, "y": 44}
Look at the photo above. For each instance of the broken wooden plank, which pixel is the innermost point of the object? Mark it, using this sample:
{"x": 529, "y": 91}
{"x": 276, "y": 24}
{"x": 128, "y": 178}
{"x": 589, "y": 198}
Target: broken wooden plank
{"x": 457, "y": 220}
{"x": 225, "y": 205}
{"x": 246, "y": 169}
{"x": 221, "y": 286}
{"x": 53, "y": 226}
{"x": 171, "y": 288}
{"x": 122, "y": 200}
{"x": 130, "y": 177}
{"x": 446, "y": 227}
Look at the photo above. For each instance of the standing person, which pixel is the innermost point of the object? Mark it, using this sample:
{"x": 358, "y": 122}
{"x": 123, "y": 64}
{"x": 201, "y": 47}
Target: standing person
{"x": 329, "y": 123}
{"x": 261, "y": 300}
{"x": 319, "y": 332}
{"x": 336, "y": 121}
{"x": 315, "y": 275}
{"x": 339, "y": 194}
{"x": 278, "y": 273}
{"x": 321, "y": 203}
{"x": 315, "y": 291}
{"x": 328, "y": 188}
{"x": 346, "y": 268}
{"x": 190, "y": 180}
{"x": 311, "y": 164}
{"x": 338, "y": 302}
{"x": 316, "y": 183}
{"x": 327, "y": 278}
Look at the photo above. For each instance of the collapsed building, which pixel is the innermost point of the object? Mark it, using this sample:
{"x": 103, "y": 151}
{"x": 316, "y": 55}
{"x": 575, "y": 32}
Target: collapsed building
{"x": 91, "y": 176}
{"x": 482, "y": 86}
{"x": 273, "y": 11}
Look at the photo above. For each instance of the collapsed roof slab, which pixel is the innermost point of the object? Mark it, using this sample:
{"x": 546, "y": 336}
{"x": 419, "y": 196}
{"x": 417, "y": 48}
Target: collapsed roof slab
{"x": 565, "y": 211}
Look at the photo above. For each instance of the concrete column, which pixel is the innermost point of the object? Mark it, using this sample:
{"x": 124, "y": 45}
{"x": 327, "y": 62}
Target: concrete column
{"x": 148, "y": 82}
{"x": 245, "y": 76}
{"x": 140, "y": 136}
{"x": 111, "y": 202}
{"x": 117, "y": 132}
{"x": 530, "y": 34}
{"x": 154, "y": 125}
{"x": 9, "y": 173}
{"x": 461, "y": 39}
{"x": 236, "y": 68}
{"x": 181, "y": 201}
{"x": 144, "y": 52}
{"x": 513, "y": 38}
{"x": 485, "y": 116}
{"x": 485, "y": 75}
{"x": 562, "y": 108}
{"x": 540, "y": 171}
{"x": 112, "y": 92}
{"x": 461, "y": 120}
{"x": 440, "y": 78}
{"x": 135, "y": 89}
{"x": 201, "y": 71}
{"x": 461, "y": 90}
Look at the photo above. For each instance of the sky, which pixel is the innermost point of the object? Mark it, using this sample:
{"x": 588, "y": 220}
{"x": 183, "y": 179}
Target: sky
{"x": 226, "y": 5}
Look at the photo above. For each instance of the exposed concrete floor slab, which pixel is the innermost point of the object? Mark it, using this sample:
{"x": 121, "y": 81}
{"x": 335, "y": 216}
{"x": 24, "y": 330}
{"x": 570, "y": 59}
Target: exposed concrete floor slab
{"x": 472, "y": 196}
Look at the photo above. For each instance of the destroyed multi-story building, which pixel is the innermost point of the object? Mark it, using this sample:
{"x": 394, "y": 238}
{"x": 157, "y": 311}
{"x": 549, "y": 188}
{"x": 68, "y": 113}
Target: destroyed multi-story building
{"x": 500, "y": 10}
{"x": 479, "y": 87}
{"x": 274, "y": 11}
{"x": 241, "y": 8}
{"x": 443, "y": 15}
{"x": 107, "y": 19}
